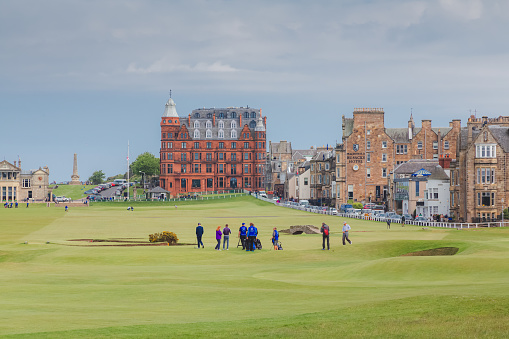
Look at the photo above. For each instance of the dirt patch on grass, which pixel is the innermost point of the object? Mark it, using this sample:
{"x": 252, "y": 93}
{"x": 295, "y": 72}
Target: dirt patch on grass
{"x": 434, "y": 251}
{"x": 123, "y": 242}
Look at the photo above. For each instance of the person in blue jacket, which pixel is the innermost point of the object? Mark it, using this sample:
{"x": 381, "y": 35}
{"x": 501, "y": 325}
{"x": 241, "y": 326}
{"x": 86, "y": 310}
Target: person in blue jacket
{"x": 199, "y": 233}
{"x": 275, "y": 238}
{"x": 252, "y": 232}
{"x": 243, "y": 235}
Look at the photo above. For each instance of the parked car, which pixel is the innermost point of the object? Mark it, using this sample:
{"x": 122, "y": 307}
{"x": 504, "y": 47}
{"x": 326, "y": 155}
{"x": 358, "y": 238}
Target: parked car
{"x": 62, "y": 199}
{"x": 420, "y": 219}
{"x": 345, "y": 207}
{"x": 408, "y": 217}
{"x": 369, "y": 206}
{"x": 334, "y": 211}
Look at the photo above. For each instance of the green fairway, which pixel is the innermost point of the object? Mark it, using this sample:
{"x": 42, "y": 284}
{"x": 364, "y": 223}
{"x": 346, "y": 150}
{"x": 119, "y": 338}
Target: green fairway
{"x": 60, "y": 284}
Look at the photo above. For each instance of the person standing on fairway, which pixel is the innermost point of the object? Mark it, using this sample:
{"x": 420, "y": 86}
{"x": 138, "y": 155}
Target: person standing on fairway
{"x": 226, "y": 239}
{"x": 218, "y": 238}
{"x": 325, "y": 235}
{"x": 346, "y": 228}
{"x": 199, "y": 234}
{"x": 388, "y": 223}
{"x": 243, "y": 235}
{"x": 252, "y": 232}
{"x": 275, "y": 238}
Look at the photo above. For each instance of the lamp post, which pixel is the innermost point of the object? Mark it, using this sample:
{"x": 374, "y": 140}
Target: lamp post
{"x": 144, "y": 175}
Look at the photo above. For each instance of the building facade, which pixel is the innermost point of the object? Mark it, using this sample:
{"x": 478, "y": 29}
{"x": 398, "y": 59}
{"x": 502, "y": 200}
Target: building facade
{"x": 479, "y": 178}
{"x": 212, "y": 149}
{"x": 19, "y": 185}
{"x": 370, "y": 152}
{"x": 323, "y": 178}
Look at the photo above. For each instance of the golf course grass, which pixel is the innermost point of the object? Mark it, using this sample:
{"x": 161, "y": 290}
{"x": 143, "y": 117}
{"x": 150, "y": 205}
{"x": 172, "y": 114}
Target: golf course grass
{"x": 82, "y": 273}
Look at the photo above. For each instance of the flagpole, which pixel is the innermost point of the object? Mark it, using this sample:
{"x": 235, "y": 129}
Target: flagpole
{"x": 128, "y": 170}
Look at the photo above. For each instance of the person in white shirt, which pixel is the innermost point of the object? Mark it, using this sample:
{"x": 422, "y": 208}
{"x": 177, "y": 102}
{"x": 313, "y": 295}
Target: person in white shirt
{"x": 346, "y": 228}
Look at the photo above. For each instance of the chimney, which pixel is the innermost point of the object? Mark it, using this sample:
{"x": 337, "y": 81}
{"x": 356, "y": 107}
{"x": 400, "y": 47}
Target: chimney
{"x": 439, "y": 143}
{"x": 426, "y": 124}
{"x": 469, "y": 128}
{"x": 445, "y": 162}
{"x": 14, "y": 163}
{"x": 410, "y": 130}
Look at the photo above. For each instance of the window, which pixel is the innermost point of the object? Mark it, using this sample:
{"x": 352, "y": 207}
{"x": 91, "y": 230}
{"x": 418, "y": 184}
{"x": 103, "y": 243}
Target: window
{"x": 221, "y": 124}
{"x": 183, "y": 145}
{"x": 170, "y": 168}
{"x": 183, "y": 168}
{"x": 446, "y": 144}
{"x": 305, "y": 181}
{"x": 197, "y": 168}
{"x": 210, "y": 182}
{"x": 417, "y": 188}
{"x": 246, "y": 156}
{"x": 384, "y": 157}
{"x": 384, "y": 144}
{"x": 485, "y": 151}
{"x": 368, "y": 144}
{"x": 384, "y": 172}
{"x": 320, "y": 166}
{"x": 434, "y": 191}
{"x": 209, "y": 115}
{"x": 164, "y": 135}
{"x": 234, "y": 145}
{"x": 368, "y": 157}
{"x": 209, "y": 144}
{"x": 196, "y": 123}
{"x": 401, "y": 149}
{"x": 170, "y": 135}
{"x": 368, "y": 131}
{"x": 435, "y": 144}
{"x": 220, "y": 182}
{"x": 26, "y": 183}
{"x": 327, "y": 166}
{"x": 252, "y": 125}
{"x": 233, "y": 134}
{"x": 221, "y": 115}
{"x": 221, "y": 145}
{"x": 209, "y": 157}
{"x": 253, "y": 115}
{"x": 246, "y": 169}
{"x": 197, "y": 115}
{"x": 196, "y": 183}
{"x": 196, "y": 133}
{"x": 312, "y": 167}
{"x": 485, "y": 175}
{"x": 208, "y": 134}
{"x": 169, "y": 145}
{"x": 368, "y": 172}
{"x": 221, "y": 156}
{"x": 183, "y": 156}
{"x": 233, "y": 124}
{"x": 170, "y": 156}
{"x": 208, "y": 168}
{"x": 312, "y": 179}
{"x": 319, "y": 178}
{"x": 419, "y": 144}
{"x": 197, "y": 156}
{"x": 487, "y": 198}
{"x": 208, "y": 124}
{"x": 220, "y": 168}
{"x": 246, "y": 145}
{"x": 196, "y": 145}
{"x": 233, "y": 169}
{"x": 246, "y": 115}
{"x": 220, "y": 134}
{"x": 234, "y": 115}
{"x": 234, "y": 156}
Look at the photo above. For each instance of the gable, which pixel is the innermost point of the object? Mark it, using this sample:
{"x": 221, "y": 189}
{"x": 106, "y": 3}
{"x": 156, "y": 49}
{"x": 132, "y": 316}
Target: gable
{"x": 5, "y": 165}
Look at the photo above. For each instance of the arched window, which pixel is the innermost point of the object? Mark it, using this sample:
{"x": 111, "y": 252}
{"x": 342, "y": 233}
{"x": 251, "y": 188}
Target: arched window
{"x": 234, "y": 133}
{"x": 221, "y": 124}
{"x": 221, "y": 115}
{"x": 233, "y": 124}
{"x": 209, "y": 134}
{"x": 246, "y": 115}
{"x": 209, "y": 115}
{"x": 253, "y": 115}
{"x": 233, "y": 182}
{"x": 234, "y": 115}
{"x": 220, "y": 134}
{"x": 196, "y": 133}
{"x": 208, "y": 124}
{"x": 196, "y": 124}
{"x": 197, "y": 115}
{"x": 252, "y": 124}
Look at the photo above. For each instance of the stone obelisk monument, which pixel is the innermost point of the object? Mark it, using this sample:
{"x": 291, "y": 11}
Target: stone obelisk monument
{"x": 75, "y": 178}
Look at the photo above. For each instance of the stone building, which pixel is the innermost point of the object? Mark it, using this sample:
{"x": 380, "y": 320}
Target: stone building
{"x": 369, "y": 152}
{"x": 297, "y": 185}
{"x": 323, "y": 178}
{"x": 212, "y": 149}
{"x": 479, "y": 176}
{"x": 279, "y": 164}
{"x": 19, "y": 185}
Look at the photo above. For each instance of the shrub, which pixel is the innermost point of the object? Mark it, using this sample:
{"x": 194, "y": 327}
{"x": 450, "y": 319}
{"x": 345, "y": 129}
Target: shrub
{"x": 169, "y": 237}
{"x": 357, "y": 205}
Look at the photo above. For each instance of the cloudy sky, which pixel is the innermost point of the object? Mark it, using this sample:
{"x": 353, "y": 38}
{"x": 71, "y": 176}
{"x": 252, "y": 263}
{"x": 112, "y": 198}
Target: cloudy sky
{"x": 86, "y": 77}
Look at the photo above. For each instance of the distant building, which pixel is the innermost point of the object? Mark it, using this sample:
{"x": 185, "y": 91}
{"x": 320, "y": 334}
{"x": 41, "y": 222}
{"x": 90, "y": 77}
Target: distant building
{"x": 323, "y": 178}
{"x": 19, "y": 185}
{"x": 212, "y": 149}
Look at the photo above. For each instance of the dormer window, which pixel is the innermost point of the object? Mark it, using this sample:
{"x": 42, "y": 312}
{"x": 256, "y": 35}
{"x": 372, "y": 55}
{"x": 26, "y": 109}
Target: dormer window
{"x": 221, "y": 124}
{"x": 208, "y": 124}
{"x": 233, "y": 124}
{"x": 209, "y": 134}
{"x": 196, "y": 124}
{"x": 196, "y": 133}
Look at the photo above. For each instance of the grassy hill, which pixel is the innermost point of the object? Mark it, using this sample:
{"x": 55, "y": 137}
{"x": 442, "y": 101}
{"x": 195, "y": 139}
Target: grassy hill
{"x": 72, "y": 287}
{"x": 74, "y": 192}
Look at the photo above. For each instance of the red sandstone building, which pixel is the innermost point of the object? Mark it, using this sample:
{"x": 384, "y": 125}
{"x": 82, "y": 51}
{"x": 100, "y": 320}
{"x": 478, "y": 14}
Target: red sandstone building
{"x": 212, "y": 149}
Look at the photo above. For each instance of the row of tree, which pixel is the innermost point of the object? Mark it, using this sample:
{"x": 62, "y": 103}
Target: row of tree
{"x": 145, "y": 163}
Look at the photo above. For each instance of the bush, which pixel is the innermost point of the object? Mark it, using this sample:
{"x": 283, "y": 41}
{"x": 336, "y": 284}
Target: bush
{"x": 169, "y": 237}
{"x": 358, "y": 205}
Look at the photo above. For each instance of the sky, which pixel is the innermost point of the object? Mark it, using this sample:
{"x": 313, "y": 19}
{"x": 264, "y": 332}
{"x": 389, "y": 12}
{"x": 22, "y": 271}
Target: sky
{"x": 89, "y": 77}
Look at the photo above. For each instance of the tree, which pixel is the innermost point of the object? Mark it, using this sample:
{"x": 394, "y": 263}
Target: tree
{"x": 97, "y": 177}
{"x": 146, "y": 163}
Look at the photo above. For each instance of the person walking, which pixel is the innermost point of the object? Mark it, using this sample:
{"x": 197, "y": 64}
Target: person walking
{"x": 226, "y": 239}
{"x": 243, "y": 235}
{"x": 325, "y": 235}
{"x": 66, "y": 208}
{"x": 388, "y": 223}
{"x": 252, "y": 232}
{"x": 218, "y": 238}
{"x": 275, "y": 238}
{"x": 199, "y": 234}
{"x": 346, "y": 228}
{"x": 403, "y": 221}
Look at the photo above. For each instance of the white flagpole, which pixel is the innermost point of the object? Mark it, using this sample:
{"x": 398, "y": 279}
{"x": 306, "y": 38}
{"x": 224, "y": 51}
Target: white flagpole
{"x": 128, "y": 170}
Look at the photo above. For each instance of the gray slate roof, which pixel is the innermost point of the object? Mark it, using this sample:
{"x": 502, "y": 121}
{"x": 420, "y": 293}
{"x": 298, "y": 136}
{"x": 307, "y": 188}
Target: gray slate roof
{"x": 502, "y": 136}
{"x": 413, "y": 165}
{"x": 438, "y": 174}
{"x": 157, "y": 190}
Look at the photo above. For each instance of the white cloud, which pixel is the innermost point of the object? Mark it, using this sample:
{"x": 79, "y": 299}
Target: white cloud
{"x": 466, "y": 9}
{"x": 166, "y": 66}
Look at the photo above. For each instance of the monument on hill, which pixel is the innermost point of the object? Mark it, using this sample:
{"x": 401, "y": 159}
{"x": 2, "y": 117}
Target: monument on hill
{"x": 75, "y": 178}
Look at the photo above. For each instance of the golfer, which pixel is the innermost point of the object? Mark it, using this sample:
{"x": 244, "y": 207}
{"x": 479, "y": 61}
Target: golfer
{"x": 325, "y": 235}
{"x": 346, "y": 228}
{"x": 226, "y": 236}
{"x": 275, "y": 238}
{"x": 252, "y": 232}
{"x": 243, "y": 235}
{"x": 218, "y": 238}
{"x": 199, "y": 233}
{"x": 388, "y": 223}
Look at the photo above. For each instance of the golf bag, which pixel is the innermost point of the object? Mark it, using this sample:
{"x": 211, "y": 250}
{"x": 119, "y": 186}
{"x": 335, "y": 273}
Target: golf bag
{"x": 279, "y": 246}
{"x": 258, "y": 244}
